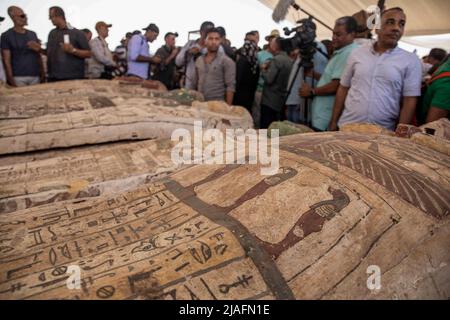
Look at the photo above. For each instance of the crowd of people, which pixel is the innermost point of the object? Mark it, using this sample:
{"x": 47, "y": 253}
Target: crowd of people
{"x": 352, "y": 78}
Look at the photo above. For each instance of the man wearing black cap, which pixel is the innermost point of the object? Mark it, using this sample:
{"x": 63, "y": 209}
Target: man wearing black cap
{"x": 191, "y": 51}
{"x": 139, "y": 59}
{"x": 165, "y": 71}
{"x": 2, "y": 71}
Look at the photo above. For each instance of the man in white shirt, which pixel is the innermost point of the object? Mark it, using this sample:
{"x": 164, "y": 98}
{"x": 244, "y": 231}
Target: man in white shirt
{"x": 102, "y": 58}
{"x": 381, "y": 82}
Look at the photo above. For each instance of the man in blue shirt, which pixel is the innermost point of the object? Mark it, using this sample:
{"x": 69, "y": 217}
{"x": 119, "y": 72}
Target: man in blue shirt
{"x": 139, "y": 59}
{"x": 324, "y": 95}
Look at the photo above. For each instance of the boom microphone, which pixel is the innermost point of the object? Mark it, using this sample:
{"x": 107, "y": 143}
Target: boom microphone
{"x": 281, "y": 10}
{"x": 381, "y": 5}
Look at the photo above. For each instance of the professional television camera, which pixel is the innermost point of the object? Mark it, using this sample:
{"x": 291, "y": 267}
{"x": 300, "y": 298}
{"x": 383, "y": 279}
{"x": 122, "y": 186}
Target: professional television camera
{"x": 304, "y": 40}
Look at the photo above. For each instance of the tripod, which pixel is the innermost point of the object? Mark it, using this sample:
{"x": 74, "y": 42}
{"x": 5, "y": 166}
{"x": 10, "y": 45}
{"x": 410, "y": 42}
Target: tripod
{"x": 305, "y": 66}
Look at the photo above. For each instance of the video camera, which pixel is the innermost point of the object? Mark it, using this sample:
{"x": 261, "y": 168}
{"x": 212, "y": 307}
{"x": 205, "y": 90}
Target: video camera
{"x": 304, "y": 40}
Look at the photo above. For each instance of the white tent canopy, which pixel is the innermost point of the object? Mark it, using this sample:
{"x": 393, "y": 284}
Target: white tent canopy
{"x": 424, "y": 17}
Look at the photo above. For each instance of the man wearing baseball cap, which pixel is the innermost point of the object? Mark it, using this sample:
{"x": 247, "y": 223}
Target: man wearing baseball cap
{"x": 165, "y": 71}
{"x": 274, "y": 34}
{"x": 139, "y": 59}
{"x": 102, "y": 63}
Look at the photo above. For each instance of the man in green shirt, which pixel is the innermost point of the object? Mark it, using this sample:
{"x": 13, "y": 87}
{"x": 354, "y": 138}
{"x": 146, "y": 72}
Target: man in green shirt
{"x": 324, "y": 95}
{"x": 436, "y": 103}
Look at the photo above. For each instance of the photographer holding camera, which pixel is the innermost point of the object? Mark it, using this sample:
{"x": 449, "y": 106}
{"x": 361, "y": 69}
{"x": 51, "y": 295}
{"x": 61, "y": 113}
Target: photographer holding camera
{"x": 276, "y": 76}
{"x": 101, "y": 65}
{"x": 165, "y": 71}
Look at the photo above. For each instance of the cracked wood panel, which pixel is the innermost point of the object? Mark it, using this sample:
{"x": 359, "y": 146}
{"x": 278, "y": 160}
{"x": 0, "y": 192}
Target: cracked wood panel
{"x": 131, "y": 122}
{"x": 83, "y": 174}
{"x": 226, "y": 232}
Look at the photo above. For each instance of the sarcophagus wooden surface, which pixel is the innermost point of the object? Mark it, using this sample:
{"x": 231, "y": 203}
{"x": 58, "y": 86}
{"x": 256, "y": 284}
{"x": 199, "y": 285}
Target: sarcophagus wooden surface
{"x": 76, "y": 87}
{"x": 58, "y": 98}
{"x": 135, "y": 119}
{"x": 82, "y": 173}
{"x": 96, "y": 87}
{"x": 26, "y": 108}
{"x": 341, "y": 203}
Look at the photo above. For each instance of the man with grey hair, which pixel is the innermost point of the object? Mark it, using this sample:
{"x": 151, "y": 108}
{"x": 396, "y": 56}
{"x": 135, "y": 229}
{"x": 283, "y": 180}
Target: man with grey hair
{"x": 21, "y": 52}
{"x": 381, "y": 82}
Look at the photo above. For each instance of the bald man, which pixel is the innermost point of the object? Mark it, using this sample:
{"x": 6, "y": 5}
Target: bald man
{"x": 21, "y": 52}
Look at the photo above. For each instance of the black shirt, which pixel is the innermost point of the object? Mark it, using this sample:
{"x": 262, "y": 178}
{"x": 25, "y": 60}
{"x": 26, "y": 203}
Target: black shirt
{"x": 24, "y": 61}
{"x": 165, "y": 73}
{"x": 62, "y": 65}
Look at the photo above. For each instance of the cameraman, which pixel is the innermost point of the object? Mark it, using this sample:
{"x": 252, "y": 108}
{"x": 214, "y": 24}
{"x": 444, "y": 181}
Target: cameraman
{"x": 101, "y": 64}
{"x": 324, "y": 95}
{"x": 165, "y": 71}
{"x": 297, "y": 105}
{"x": 276, "y": 76}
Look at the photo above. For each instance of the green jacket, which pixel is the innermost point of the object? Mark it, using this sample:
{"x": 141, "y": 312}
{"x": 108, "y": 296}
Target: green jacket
{"x": 438, "y": 93}
{"x": 276, "y": 80}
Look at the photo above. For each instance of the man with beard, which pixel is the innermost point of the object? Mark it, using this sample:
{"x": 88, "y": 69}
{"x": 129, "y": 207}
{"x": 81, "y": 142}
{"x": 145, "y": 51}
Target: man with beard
{"x": 381, "y": 82}
{"x": 191, "y": 51}
{"x": 215, "y": 74}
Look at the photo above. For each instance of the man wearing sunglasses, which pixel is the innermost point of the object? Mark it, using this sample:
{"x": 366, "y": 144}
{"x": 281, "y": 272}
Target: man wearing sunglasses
{"x": 21, "y": 52}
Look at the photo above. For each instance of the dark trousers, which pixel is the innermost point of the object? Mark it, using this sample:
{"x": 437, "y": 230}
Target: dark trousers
{"x": 59, "y": 80}
{"x": 268, "y": 115}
